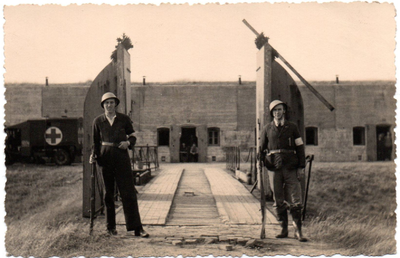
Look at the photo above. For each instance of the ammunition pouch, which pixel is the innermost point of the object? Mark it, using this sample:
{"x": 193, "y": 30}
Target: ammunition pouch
{"x": 276, "y": 159}
{"x": 273, "y": 161}
{"x": 268, "y": 163}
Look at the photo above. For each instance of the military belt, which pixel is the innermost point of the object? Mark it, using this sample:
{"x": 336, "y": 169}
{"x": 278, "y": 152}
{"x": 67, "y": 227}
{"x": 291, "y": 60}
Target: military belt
{"x": 110, "y": 144}
{"x": 281, "y": 151}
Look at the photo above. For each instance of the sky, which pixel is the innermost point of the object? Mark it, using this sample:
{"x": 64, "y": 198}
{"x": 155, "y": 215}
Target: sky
{"x": 201, "y": 42}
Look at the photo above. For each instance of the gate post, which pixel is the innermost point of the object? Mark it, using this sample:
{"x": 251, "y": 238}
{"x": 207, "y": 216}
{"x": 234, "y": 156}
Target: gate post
{"x": 115, "y": 77}
{"x": 274, "y": 82}
{"x": 263, "y": 98}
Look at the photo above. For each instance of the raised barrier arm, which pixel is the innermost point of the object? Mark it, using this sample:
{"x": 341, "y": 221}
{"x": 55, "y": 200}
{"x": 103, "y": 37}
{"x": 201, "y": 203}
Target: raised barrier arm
{"x": 308, "y": 85}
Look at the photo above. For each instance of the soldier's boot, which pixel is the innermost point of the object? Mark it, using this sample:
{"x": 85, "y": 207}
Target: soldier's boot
{"x": 297, "y": 226}
{"x": 283, "y": 222}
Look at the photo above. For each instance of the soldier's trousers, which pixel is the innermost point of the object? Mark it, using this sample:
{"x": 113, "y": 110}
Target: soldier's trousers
{"x": 286, "y": 189}
{"x": 118, "y": 170}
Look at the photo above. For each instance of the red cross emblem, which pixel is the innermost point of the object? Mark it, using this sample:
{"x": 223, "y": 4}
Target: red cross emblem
{"x": 53, "y": 135}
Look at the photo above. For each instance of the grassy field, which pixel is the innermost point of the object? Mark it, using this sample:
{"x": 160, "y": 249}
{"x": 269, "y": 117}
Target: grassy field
{"x": 44, "y": 212}
{"x": 351, "y": 205}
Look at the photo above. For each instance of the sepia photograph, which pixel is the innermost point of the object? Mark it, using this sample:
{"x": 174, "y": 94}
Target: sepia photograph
{"x": 240, "y": 129}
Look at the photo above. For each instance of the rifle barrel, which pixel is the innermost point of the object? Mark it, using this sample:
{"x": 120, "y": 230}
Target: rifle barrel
{"x": 262, "y": 201}
{"x": 93, "y": 196}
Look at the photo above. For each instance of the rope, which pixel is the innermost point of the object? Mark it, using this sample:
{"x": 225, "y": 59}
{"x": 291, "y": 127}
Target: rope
{"x": 234, "y": 158}
{"x": 247, "y": 159}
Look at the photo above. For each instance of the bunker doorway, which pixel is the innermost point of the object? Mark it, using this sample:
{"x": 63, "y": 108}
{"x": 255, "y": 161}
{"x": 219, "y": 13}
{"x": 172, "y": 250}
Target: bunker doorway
{"x": 188, "y": 138}
{"x": 384, "y": 143}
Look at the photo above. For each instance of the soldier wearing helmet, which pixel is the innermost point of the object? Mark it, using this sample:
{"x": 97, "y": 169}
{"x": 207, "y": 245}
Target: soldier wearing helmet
{"x": 113, "y": 134}
{"x": 282, "y": 151}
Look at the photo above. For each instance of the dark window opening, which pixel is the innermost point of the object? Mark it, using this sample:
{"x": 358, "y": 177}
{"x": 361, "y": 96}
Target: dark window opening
{"x": 384, "y": 143}
{"x": 163, "y": 136}
{"x": 213, "y": 136}
{"x": 312, "y": 136}
{"x": 358, "y": 136}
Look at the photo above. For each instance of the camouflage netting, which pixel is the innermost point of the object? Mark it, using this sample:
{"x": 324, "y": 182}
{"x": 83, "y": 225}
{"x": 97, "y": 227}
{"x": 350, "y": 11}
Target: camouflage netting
{"x": 125, "y": 41}
{"x": 261, "y": 40}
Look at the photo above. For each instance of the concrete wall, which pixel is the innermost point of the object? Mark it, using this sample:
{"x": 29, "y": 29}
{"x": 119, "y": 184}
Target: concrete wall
{"x": 355, "y": 104}
{"x": 246, "y": 115}
{"x": 29, "y": 101}
{"x": 23, "y": 101}
{"x": 64, "y": 101}
{"x": 229, "y": 106}
{"x": 165, "y": 105}
{"x": 361, "y": 104}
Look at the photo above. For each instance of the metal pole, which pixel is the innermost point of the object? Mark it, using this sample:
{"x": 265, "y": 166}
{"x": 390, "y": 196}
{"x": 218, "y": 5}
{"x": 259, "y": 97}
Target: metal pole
{"x": 238, "y": 156}
{"x": 156, "y": 150}
{"x": 254, "y": 185}
{"x": 307, "y": 187}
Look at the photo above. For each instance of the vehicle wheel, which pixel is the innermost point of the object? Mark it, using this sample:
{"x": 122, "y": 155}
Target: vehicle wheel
{"x": 62, "y": 157}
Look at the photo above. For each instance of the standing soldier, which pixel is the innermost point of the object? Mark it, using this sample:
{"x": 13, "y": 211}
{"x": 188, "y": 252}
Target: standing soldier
{"x": 183, "y": 152}
{"x": 193, "y": 153}
{"x": 112, "y": 135}
{"x": 282, "y": 151}
{"x": 388, "y": 147}
{"x": 381, "y": 146}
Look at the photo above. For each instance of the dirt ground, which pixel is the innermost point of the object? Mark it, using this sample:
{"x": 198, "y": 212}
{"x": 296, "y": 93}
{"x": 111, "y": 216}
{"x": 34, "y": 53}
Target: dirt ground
{"x": 218, "y": 240}
{"x": 190, "y": 241}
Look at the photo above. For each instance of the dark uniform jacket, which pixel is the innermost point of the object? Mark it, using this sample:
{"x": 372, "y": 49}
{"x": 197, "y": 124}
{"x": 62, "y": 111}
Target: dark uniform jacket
{"x": 104, "y": 132}
{"x": 287, "y": 143}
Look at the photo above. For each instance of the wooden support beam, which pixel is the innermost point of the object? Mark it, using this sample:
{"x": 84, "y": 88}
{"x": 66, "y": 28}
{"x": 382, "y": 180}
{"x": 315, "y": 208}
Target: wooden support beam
{"x": 308, "y": 85}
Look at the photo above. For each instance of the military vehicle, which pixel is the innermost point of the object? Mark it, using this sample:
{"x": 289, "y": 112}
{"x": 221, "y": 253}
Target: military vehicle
{"x": 57, "y": 140}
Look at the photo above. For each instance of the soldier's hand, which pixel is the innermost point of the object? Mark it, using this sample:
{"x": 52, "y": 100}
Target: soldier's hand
{"x": 300, "y": 173}
{"x": 124, "y": 145}
{"x": 92, "y": 159}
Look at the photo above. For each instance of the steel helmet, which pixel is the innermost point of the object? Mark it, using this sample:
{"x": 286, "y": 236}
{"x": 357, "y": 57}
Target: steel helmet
{"x": 109, "y": 95}
{"x": 275, "y": 103}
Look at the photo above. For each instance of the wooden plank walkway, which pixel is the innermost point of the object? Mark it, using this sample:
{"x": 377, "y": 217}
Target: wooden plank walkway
{"x": 194, "y": 203}
{"x": 235, "y": 204}
{"x": 156, "y": 198}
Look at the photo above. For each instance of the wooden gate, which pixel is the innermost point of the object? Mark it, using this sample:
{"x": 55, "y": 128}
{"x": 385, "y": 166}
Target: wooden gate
{"x": 274, "y": 82}
{"x": 113, "y": 78}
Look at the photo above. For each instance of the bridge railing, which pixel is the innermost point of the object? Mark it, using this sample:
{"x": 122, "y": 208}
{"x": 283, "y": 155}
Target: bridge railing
{"x": 243, "y": 159}
{"x": 145, "y": 157}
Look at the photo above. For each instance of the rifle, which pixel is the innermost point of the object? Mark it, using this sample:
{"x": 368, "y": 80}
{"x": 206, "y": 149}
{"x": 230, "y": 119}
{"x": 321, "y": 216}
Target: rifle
{"x": 92, "y": 195}
{"x": 254, "y": 186}
{"x": 262, "y": 199}
{"x": 307, "y": 187}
